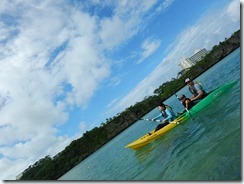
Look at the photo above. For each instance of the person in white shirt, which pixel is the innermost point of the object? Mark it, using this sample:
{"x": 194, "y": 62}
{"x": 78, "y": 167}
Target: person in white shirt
{"x": 196, "y": 89}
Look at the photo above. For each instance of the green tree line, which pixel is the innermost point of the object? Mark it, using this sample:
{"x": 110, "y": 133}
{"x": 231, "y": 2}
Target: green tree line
{"x": 49, "y": 168}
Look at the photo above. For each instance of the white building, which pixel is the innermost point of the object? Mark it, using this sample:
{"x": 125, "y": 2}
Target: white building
{"x": 189, "y": 62}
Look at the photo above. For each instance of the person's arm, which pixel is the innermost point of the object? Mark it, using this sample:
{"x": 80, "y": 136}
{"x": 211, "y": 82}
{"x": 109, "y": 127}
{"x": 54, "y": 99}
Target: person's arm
{"x": 193, "y": 95}
{"x": 160, "y": 115}
{"x": 187, "y": 104}
{"x": 200, "y": 93}
{"x": 199, "y": 89}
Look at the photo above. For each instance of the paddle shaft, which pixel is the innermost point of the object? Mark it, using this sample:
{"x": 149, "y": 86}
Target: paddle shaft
{"x": 156, "y": 120}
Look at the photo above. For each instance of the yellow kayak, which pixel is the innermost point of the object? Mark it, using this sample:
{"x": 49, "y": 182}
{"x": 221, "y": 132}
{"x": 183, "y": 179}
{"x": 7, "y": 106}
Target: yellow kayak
{"x": 148, "y": 138}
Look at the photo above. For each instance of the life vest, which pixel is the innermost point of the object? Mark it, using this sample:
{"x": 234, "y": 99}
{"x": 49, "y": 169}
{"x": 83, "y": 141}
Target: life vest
{"x": 193, "y": 90}
{"x": 164, "y": 113}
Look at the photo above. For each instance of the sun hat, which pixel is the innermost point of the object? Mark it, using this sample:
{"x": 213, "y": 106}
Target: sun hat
{"x": 187, "y": 80}
{"x": 181, "y": 96}
{"x": 161, "y": 103}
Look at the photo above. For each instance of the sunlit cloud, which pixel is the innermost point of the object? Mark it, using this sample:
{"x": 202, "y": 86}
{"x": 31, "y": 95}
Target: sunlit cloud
{"x": 149, "y": 47}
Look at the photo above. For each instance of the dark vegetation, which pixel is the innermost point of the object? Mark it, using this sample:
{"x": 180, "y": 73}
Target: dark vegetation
{"x": 52, "y": 168}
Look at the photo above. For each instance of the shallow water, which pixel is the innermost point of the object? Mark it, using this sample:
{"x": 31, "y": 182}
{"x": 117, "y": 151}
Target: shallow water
{"x": 206, "y": 147}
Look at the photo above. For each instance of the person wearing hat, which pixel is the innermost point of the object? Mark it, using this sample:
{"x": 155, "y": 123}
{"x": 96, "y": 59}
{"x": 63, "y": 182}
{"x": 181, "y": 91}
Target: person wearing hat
{"x": 196, "y": 89}
{"x": 187, "y": 103}
{"x": 167, "y": 113}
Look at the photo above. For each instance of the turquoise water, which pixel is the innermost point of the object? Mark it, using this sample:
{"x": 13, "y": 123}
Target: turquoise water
{"x": 206, "y": 147}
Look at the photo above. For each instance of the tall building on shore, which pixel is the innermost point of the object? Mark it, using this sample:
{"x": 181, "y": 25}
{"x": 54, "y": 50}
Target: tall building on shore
{"x": 189, "y": 62}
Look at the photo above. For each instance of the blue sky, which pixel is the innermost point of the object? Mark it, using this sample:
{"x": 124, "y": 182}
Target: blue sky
{"x": 67, "y": 66}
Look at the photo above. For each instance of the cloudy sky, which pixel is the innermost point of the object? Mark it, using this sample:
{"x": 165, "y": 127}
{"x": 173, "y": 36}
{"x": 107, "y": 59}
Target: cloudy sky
{"x": 67, "y": 66}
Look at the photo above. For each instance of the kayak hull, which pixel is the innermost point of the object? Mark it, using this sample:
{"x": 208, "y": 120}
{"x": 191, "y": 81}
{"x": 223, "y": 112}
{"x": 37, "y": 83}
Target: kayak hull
{"x": 148, "y": 138}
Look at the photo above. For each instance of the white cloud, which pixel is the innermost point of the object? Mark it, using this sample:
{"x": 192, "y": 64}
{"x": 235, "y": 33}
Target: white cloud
{"x": 30, "y": 117}
{"x": 232, "y": 11}
{"x": 125, "y": 23}
{"x": 114, "y": 31}
{"x": 164, "y": 5}
{"x": 112, "y": 103}
{"x": 83, "y": 64}
{"x": 115, "y": 81}
{"x": 149, "y": 47}
{"x": 18, "y": 157}
{"x": 9, "y": 166}
{"x": 137, "y": 94}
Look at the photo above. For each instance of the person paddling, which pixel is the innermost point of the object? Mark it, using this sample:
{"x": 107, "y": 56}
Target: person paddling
{"x": 167, "y": 113}
{"x": 188, "y": 103}
{"x": 196, "y": 89}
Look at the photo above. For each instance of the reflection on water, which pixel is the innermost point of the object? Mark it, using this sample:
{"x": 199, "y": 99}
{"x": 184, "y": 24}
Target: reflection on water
{"x": 144, "y": 153}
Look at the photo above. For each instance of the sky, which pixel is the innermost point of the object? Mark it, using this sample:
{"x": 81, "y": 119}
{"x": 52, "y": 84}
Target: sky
{"x": 67, "y": 66}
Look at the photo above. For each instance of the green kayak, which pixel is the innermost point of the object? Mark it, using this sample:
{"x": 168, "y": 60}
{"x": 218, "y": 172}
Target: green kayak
{"x": 148, "y": 138}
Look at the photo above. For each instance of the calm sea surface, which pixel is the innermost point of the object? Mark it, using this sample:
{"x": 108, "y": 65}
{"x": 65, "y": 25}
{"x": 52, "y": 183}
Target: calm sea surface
{"x": 206, "y": 147}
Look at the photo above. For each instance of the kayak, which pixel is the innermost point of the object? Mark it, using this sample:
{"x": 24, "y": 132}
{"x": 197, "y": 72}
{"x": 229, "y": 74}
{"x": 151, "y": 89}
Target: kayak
{"x": 148, "y": 138}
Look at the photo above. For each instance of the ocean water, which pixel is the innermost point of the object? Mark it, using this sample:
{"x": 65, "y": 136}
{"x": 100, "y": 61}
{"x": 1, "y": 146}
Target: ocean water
{"x": 207, "y": 147}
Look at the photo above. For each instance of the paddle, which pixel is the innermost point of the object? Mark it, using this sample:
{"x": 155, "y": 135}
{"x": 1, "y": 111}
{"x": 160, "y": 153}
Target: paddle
{"x": 156, "y": 120}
